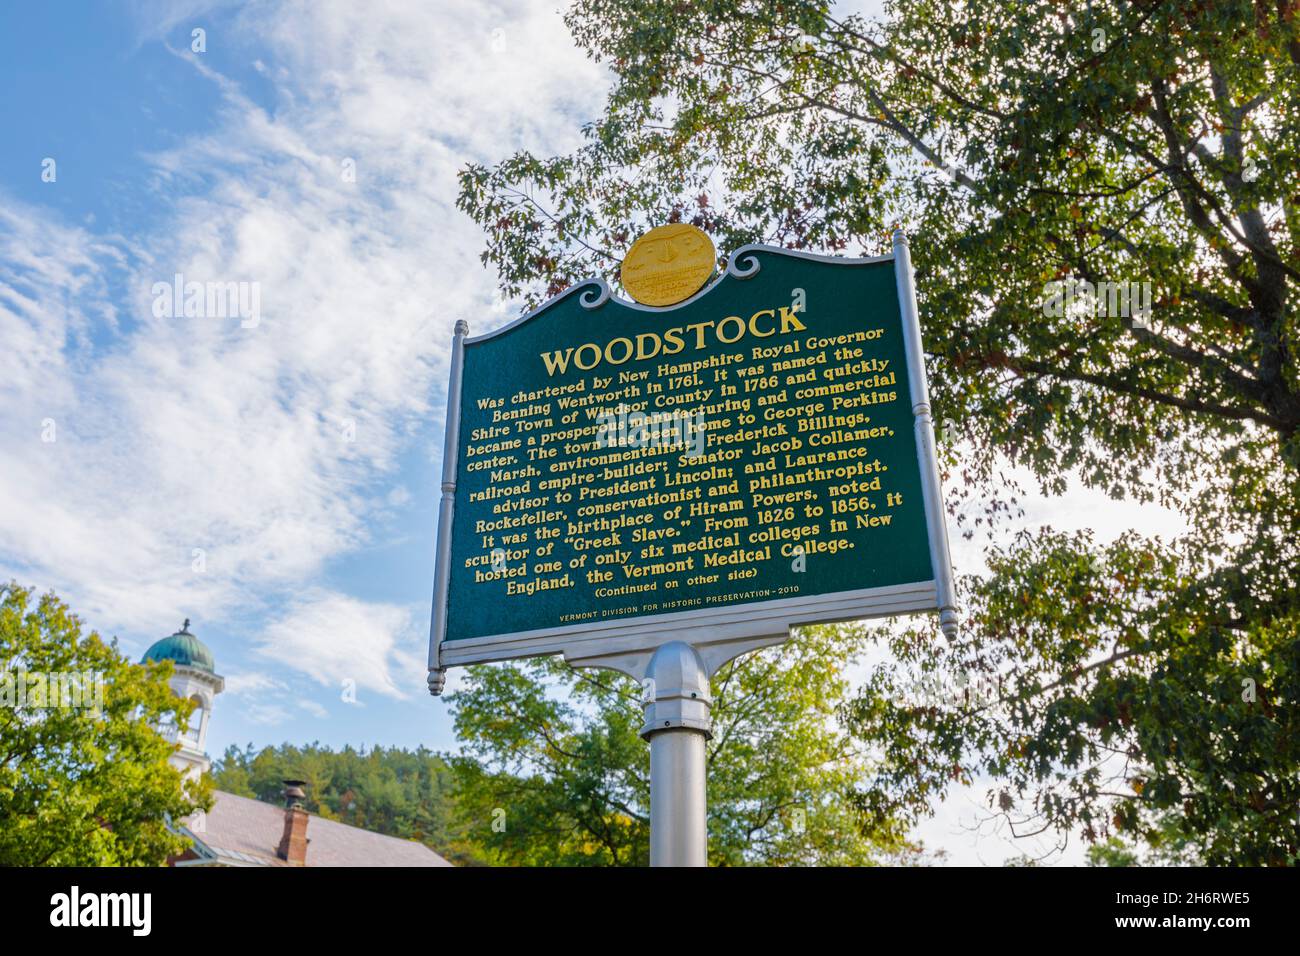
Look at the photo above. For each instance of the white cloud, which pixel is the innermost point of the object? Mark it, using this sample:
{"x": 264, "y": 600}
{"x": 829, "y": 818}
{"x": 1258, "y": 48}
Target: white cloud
{"x": 313, "y": 708}
{"x": 333, "y": 638}
{"x": 252, "y": 683}
{"x": 267, "y": 714}
{"x": 179, "y": 434}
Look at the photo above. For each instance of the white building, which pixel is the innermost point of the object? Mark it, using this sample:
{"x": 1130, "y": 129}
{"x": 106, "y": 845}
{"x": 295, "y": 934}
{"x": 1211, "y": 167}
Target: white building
{"x": 195, "y": 678}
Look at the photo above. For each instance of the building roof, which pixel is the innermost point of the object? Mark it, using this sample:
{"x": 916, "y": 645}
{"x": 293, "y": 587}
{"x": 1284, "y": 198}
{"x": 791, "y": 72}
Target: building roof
{"x": 184, "y": 649}
{"x": 238, "y": 831}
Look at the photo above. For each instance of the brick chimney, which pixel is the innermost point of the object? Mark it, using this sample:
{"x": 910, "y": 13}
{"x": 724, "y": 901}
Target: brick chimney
{"x": 293, "y": 845}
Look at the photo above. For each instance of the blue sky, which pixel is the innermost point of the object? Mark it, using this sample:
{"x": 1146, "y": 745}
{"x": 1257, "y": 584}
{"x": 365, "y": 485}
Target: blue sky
{"x": 276, "y": 482}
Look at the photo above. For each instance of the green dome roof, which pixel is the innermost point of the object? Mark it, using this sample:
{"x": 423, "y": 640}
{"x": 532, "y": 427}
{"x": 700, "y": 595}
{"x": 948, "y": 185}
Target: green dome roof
{"x": 182, "y": 648}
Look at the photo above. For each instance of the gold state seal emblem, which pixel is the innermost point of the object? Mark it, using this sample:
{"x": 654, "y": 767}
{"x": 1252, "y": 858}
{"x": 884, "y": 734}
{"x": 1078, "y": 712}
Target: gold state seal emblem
{"x": 668, "y": 264}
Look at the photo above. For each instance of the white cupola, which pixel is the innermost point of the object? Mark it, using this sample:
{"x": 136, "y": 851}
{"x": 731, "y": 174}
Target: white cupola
{"x": 194, "y": 678}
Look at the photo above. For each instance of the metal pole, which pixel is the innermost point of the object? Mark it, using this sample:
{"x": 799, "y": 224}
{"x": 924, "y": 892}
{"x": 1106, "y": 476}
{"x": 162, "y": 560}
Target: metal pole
{"x": 442, "y": 563}
{"x": 928, "y": 457}
{"x": 677, "y": 725}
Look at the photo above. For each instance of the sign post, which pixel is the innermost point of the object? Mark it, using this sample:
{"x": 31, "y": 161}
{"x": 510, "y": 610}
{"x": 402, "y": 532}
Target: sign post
{"x": 657, "y": 489}
{"x": 677, "y": 725}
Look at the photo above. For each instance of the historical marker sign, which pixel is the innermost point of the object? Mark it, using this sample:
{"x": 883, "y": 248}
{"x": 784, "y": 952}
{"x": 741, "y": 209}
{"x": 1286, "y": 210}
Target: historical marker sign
{"x": 757, "y": 456}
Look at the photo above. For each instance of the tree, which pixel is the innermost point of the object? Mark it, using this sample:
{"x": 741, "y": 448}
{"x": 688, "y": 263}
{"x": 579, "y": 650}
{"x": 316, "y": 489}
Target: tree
{"x": 1113, "y": 852}
{"x": 84, "y": 777}
{"x": 1032, "y": 150}
{"x": 555, "y": 772}
{"x": 1168, "y": 847}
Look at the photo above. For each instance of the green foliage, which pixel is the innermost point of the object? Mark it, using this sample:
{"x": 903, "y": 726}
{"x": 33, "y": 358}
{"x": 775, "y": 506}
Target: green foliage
{"x": 555, "y": 761}
{"x": 1131, "y": 699}
{"x": 84, "y": 786}
{"x": 1111, "y": 852}
{"x": 1019, "y": 143}
{"x": 393, "y": 791}
{"x": 1168, "y": 846}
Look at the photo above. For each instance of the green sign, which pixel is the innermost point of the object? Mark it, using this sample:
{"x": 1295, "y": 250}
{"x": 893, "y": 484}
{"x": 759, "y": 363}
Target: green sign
{"x": 757, "y": 456}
